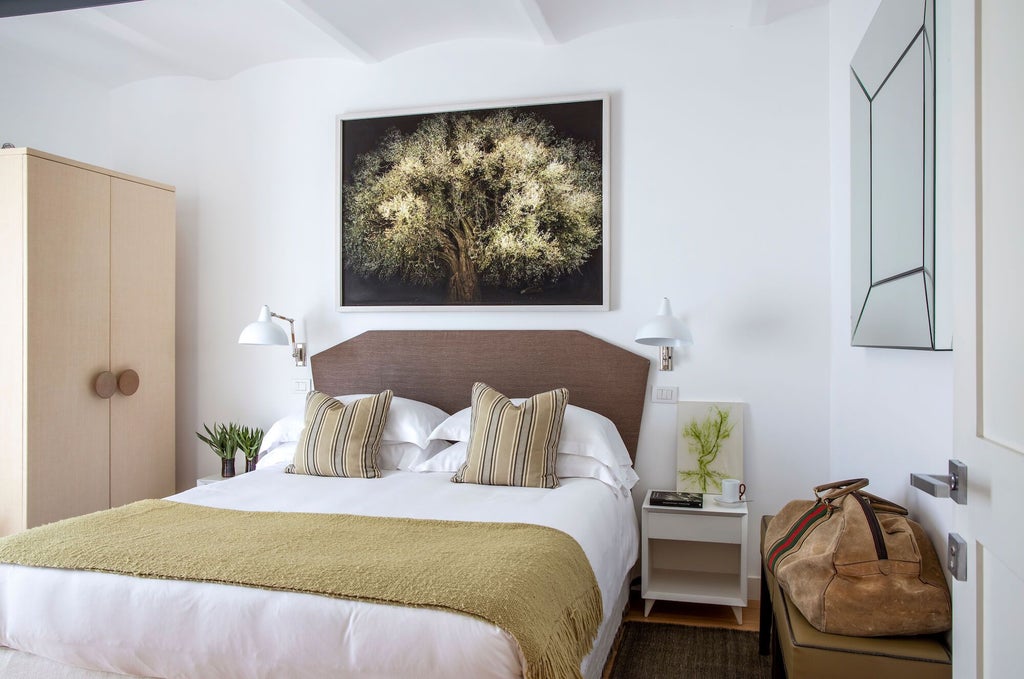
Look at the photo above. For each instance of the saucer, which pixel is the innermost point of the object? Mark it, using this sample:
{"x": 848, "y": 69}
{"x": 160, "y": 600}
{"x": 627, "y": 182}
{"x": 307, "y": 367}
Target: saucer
{"x": 719, "y": 501}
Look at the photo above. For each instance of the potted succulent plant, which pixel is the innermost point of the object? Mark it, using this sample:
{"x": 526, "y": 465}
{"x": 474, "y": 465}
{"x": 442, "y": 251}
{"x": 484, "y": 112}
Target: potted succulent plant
{"x": 222, "y": 440}
{"x": 249, "y": 441}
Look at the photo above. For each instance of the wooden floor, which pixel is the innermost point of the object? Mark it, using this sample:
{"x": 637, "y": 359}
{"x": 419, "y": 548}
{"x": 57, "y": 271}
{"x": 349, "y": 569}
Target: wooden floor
{"x": 675, "y": 613}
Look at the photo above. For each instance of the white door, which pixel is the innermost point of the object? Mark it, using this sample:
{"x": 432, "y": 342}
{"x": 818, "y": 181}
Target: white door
{"x": 988, "y": 223}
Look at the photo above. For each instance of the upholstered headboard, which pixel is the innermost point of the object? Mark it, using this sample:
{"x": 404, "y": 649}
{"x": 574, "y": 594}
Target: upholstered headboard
{"x": 440, "y": 367}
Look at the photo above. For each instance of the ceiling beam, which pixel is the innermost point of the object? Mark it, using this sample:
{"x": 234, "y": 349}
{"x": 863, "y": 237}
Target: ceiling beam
{"x": 539, "y": 21}
{"x": 331, "y": 31}
{"x": 11, "y": 8}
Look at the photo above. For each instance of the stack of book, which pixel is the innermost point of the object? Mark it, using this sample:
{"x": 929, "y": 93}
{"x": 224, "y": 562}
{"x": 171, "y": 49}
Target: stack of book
{"x": 671, "y": 498}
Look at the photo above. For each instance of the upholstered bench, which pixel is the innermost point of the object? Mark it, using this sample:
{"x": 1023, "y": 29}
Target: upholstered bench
{"x": 799, "y": 651}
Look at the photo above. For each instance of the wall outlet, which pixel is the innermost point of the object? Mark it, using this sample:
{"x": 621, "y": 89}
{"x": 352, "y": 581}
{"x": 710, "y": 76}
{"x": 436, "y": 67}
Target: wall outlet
{"x": 664, "y": 394}
{"x": 301, "y": 386}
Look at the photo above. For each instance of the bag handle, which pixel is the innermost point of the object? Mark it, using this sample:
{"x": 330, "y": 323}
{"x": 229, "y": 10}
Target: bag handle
{"x": 838, "y": 489}
{"x": 880, "y": 504}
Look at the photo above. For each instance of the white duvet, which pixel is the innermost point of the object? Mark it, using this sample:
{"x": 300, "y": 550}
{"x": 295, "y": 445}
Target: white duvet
{"x": 161, "y": 628}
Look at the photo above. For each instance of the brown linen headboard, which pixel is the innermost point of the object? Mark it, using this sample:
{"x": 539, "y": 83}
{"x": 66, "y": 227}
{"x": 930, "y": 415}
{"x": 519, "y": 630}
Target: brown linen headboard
{"x": 440, "y": 366}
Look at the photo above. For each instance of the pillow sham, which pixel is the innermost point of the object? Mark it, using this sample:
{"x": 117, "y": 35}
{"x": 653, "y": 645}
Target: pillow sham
{"x": 566, "y": 466}
{"x": 584, "y": 432}
{"x": 392, "y": 455}
{"x": 409, "y": 421}
{"x": 448, "y": 460}
{"x": 282, "y": 453}
{"x": 513, "y": 445}
{"x": 340, "y": 439}
{"x": 403, "y": 455}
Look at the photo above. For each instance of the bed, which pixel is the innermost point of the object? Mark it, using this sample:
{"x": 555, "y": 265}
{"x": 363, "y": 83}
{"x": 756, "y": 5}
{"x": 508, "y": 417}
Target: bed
{"x": 78, "y": 624}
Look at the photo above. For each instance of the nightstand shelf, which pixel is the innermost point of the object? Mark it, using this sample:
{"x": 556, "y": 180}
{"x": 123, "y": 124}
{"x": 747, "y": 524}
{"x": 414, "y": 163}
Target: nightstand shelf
{"x": 701, "y": 587}
{"x": 694, "y": 554}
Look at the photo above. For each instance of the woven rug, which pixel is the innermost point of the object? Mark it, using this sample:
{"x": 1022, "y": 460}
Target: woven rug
{"x": 651, "y": 650}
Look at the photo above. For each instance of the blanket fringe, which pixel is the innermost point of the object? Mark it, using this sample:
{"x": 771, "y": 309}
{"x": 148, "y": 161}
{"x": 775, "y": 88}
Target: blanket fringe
{"x": 576, "y": 630}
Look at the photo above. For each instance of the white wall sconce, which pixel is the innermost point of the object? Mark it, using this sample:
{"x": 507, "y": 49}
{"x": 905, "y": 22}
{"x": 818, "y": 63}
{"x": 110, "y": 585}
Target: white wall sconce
{"x": 665, "y": 331}
{"x": 265, "y": 331}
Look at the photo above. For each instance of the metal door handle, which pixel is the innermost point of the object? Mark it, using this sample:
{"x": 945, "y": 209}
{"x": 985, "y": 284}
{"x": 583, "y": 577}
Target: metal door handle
{"x": 953, "y": 484}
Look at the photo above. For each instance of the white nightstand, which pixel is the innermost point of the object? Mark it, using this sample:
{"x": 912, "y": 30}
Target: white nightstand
{"x": 213, "y": 478}
{"x": 694, "y": 554}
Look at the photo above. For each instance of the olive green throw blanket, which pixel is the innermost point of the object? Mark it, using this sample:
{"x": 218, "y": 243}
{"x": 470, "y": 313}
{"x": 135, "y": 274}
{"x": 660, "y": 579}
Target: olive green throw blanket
{"x": 534, "y": 582}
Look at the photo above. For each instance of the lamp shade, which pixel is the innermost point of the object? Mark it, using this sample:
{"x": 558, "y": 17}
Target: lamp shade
{"x": 263, "y": 330}
{"x": 664, "y": 330}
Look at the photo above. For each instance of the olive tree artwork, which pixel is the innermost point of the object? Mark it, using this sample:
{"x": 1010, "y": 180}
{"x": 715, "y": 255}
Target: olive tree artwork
{"x": 499, "y": 207}
{"x": 710, "y": 445}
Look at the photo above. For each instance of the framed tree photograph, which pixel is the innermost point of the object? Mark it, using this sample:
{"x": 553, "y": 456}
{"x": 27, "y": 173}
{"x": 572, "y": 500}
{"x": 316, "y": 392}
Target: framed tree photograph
{"x": 500, "y": 206}
{"x": 709, "y": 445}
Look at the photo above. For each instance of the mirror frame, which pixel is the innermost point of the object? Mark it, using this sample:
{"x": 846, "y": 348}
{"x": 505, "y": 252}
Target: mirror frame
{"x": 894, "y": 281}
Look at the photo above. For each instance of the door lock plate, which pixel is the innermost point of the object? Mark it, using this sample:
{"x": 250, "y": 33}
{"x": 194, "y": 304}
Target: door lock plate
{"x": 956, "y": 556}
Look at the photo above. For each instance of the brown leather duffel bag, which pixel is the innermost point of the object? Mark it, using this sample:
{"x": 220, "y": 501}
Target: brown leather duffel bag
{"x": 854, "y": 564}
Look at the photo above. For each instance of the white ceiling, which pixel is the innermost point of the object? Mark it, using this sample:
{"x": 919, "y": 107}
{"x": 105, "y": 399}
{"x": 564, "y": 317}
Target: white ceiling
{"x": 215, "y": 39}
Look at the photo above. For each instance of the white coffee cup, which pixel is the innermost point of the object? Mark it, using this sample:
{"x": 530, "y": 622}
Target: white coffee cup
{"x": 733, "y": 490}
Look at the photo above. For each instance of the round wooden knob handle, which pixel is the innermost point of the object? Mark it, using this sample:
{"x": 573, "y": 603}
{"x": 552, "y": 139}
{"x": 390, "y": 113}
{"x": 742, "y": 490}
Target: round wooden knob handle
{"x": 128, "y": 382}
{"x": 105, "y": 384}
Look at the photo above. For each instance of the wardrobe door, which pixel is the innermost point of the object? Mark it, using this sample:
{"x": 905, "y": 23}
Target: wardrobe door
{"x": 12, "y": 343}
{"x": 67, "y": 426}
{"x": 142, "y": 231}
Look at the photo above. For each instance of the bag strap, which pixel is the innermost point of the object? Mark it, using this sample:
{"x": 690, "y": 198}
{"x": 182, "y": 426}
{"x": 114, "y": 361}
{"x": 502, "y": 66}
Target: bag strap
{"x": 880, "y": 504}
{"x": 838, "y": 489}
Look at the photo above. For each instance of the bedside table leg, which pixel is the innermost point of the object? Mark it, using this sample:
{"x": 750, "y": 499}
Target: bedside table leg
{"x": 738, "y": 612}
{"x": 648, "y": 605}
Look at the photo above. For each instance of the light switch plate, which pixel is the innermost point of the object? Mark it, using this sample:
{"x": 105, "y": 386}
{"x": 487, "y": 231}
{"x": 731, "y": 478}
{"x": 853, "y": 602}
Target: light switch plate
{"x": 301, "y": 386}
{"x": 664, "y": 394}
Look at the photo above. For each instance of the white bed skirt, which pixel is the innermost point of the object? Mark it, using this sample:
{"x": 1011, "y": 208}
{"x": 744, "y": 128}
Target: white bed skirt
{"x": 21, "y": 665}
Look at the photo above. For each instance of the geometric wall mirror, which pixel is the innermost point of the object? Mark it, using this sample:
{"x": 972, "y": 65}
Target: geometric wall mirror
{"x": 894, "y": 281}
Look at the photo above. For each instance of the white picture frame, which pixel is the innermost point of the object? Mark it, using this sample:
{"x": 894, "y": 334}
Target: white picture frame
{"x": 585, "y": 290}
{"x": 709, "y": 445}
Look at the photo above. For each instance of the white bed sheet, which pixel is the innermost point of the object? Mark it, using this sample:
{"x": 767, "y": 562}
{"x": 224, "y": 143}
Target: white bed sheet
{"x": 162, "y": 628}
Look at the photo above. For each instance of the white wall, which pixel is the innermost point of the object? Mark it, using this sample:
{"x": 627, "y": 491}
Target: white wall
{"x": 720, "y": 193}
{"x": 891, "y": 410}
{"x": 52, "y": 111}
{"x": 719, "y": 201}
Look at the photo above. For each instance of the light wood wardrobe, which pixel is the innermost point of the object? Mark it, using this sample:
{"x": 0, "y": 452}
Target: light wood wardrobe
{"x": 87, "y": 300}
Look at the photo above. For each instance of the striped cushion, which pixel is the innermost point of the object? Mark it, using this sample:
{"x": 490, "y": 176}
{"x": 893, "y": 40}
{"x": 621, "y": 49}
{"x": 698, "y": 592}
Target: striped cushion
{"x": 512, "y": 445}
{"x": 339, "y": 439}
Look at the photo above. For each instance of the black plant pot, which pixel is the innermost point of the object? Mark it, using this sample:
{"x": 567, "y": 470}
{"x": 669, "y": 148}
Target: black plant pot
{"x": 250, "y": 464}
{"x": 227, "y": 467}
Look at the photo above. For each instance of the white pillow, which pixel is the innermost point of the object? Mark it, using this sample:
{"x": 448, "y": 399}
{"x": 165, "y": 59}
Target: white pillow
{"x": 566, "y": 466}
{"x": 285, "y": 430}
{"x": 403, "y": 455}
{"x": 392, "y": 455}
{"x": 281, "y": 453}
{"x": 584, "y": 432}
{"x": 409, "y": 421}
{"x": 448, "y": 460}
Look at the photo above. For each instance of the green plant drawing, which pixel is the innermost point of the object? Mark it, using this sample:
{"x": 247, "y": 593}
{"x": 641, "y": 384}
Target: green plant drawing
{"x": 704, "y": 439}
